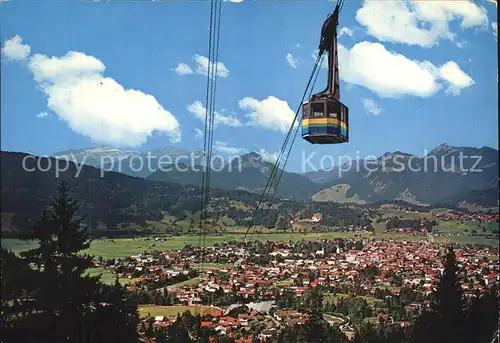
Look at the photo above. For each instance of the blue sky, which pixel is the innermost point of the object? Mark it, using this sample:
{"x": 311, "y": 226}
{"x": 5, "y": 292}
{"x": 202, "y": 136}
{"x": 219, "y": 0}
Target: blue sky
{"x": 428, "y": 77}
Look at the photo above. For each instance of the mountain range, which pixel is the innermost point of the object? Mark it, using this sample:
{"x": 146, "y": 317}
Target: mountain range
{"x": 441, "y": 177}
{"x": 446, "y": 174}
{"x": 109, "y": 198}
{"x": 129, "y": 162}
{"x": 250, "y": 172}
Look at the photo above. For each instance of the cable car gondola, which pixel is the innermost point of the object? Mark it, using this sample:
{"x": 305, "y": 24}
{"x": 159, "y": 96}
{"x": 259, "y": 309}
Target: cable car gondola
{"x": 324, "y": 117}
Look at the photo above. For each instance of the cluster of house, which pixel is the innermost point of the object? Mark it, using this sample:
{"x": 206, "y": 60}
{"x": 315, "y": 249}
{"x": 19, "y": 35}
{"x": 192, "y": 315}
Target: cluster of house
{"x": 418, "y": 264}
{"x": 242, "y": 328}
{"x": 422, "y": 230}
{"x": 155, "y": 273}
{"x": 399, "y": 264}
{"x": 482, "y": 217}
{"x": 256, "y": 324}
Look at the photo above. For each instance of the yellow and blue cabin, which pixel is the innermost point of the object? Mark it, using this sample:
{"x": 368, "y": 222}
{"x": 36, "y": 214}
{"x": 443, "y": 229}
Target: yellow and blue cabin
{"x": 325, "y": 121}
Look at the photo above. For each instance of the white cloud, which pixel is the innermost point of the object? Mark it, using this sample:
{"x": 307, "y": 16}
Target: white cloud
{"x": 371, "y": 106}
{"x": 199, "y": 111}
{"x": 297, "y": 45}
{"x": 96, "y": 106}
{"x": 183, "y": 69}
{"x": 225, "y": 148}
{"x": 396, "y": 75}
{"x": 268, "y": 156}
{"x": 14, "y": 49}
{"x": 456, "y": 78}
{"x": 198, "y": 133}
{"x": 271, "y": 113}
{"x": 494, "y": 26}
{"x": 202, "y": 66}
{"x": 292, "y": 61}
{"x": 42, "y": 115}
{"x": 345, "y": 31}
{"x": 416, "y": 22}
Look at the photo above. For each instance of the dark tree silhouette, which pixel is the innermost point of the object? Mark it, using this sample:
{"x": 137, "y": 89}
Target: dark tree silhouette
{"x": 54, "y": 300}
{"x": 482, "y": 316}
{"x": 445, "y": 321}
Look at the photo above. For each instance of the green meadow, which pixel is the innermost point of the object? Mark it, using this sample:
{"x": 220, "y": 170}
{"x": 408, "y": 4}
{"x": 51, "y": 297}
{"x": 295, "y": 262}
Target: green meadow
{"x": 124, "y": 247}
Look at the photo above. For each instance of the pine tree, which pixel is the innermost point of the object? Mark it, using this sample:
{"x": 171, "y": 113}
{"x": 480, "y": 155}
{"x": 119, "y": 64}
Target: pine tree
{"x": 56, "y": 302}
{"x": 316, "y": 329}
{"x": 482, "y": 316}
{"x": 449, "y": 295}
{"x": 15, "y": 299}
{"x": 60, "y": 294}
{"x": 449, "y": 299}
{"x": 160, "y": 337}
{"x": 445, "y": 322}
{"x": 115, "y": 317}
{"x": 149, "y": 330}
{"x": 177, "y": 333}
{"x": 366, "y": 333}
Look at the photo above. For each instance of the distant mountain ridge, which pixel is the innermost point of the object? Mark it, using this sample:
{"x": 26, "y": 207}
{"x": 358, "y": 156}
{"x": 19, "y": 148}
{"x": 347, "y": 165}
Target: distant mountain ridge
{"x": 95, "y": 156}
{"x": 108, "y": 199}
{"x": 445, "y": 174}
{"x": 249, "y": 172}
{"x": 118, "y": 198}
{"x": 129, "y": 162}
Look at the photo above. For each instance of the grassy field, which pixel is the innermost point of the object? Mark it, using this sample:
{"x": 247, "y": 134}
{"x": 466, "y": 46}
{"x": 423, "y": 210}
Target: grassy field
{"x": 210, "y": 265}
{"x": 108, "y": 277}
{"x": 172, "y": 311}
{"x": 338, "y": 193}
{"x": 474, "y": 208}
{"x": 287, "y": 282}
{"x": 124, "y": 247}
{"x": 455, "y": 227}
{"x": 333, "y": 319}
{"x": 379, "y": 227}
{"x": 192, "y": 281}
{"x": 330, "y": 297}
{"x": 467, "y": 240}
{"x": 391, "y": 212}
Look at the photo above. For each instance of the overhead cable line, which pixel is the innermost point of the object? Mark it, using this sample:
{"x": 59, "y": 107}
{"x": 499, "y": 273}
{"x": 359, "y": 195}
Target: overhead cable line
{"x": 282, "y": 159}
{"x": 284, "y": 154}
{"x": 214, "y": 66}
{"x": 213, "y": 54}
{"x": 340, "y": 4}
{"x": 287, "y": 153}
{"x": 275, "y": 169}
{"x": 203, "y": 175}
